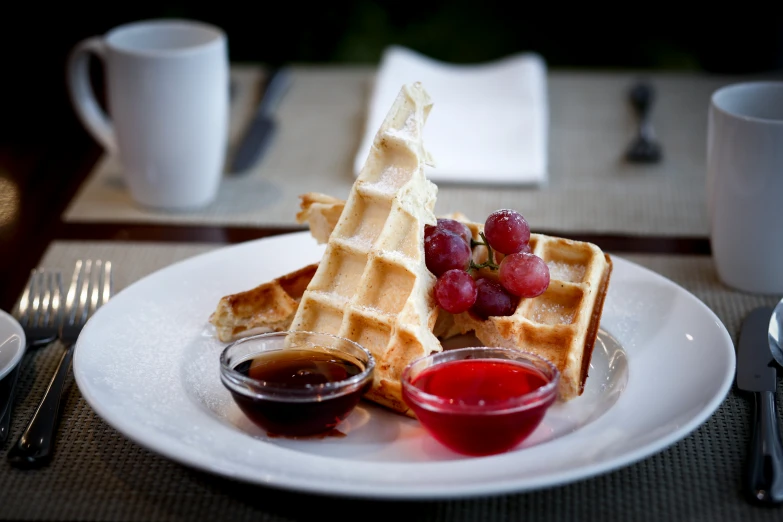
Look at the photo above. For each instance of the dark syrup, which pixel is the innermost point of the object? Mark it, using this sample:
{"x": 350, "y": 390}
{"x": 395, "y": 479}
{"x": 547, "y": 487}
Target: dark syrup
{"x": 297, "y": 370}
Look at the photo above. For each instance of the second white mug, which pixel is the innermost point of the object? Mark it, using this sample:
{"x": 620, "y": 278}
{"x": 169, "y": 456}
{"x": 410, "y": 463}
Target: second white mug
{"x": 745, "y": 185}
{"x": 167, "y": 91}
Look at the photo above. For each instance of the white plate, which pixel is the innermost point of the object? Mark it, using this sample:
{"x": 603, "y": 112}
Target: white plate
{"x": 12, "y": 343}
{"x": 147, "y": 362}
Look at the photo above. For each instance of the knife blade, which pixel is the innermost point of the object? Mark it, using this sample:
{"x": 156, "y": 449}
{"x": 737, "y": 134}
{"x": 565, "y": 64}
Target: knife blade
{"x": 756, "y": 373}
{"x": 262, "y": 127}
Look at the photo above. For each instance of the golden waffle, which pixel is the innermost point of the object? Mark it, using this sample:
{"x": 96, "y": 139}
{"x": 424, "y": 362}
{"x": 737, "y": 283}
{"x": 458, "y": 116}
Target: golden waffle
{"x": 560, "y": 325}
{"x": 321, "y": 213}
{"x": 372, "y": 285}
{"x": 269, "y": 307}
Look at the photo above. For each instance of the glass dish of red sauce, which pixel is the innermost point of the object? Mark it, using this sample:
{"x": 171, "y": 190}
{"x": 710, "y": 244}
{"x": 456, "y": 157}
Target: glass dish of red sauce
{"x": 296, "y": 383}
{"x": 480, "y": 400}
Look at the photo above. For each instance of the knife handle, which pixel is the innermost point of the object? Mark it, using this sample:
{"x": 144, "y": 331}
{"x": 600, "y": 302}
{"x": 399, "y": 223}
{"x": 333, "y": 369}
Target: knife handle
{"x": 765, "y": 471}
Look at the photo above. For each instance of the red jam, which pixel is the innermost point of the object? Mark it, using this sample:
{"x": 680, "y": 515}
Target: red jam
{"x": 480, "y": 406}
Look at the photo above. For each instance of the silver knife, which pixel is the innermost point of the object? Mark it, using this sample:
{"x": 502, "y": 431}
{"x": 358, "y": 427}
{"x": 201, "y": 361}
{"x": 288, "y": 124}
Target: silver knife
{"x": 262, "y": 127}
{"x": 756, "y": 372}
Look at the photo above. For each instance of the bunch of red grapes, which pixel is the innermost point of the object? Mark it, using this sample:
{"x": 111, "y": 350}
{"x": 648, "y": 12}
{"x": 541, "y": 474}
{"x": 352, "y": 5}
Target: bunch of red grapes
{"x": 448, "y": 252}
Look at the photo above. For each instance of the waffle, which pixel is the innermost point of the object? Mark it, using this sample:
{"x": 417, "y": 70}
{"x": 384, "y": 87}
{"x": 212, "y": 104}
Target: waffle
{"x": 269, "y": 307}
{"x": 321, "y": 213}
{"x": 560, "y": 325}
{"x": 372, "y": 285}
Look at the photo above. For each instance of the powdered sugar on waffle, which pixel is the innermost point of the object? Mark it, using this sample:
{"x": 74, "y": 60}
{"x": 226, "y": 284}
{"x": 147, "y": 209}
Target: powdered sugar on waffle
{"x": 372, "y": 285}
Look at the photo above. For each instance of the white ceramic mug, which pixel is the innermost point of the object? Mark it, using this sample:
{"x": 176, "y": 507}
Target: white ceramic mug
{"x": 167, "y": 94}
{"x": 745, "y": 185}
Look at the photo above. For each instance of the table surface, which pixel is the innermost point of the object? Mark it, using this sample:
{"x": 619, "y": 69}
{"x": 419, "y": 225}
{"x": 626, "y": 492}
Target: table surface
{"x": 590, "y": 125}
{"x": 97, "y": 474}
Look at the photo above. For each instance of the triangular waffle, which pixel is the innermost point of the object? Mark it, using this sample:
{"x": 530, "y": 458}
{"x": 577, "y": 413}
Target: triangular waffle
{"x": 372, "y": 284}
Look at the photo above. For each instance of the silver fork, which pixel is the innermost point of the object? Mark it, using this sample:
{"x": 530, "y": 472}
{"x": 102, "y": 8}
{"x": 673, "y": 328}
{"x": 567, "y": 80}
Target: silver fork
{"x": 91, "y": 287}
{"x": 39, "y": 313}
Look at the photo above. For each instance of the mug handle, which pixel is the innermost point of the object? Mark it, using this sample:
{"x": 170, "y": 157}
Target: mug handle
{"x": 92, "y": 116}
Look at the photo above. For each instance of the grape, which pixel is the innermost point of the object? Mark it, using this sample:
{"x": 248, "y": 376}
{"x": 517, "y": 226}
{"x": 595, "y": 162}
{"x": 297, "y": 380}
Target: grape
{"x": 523, "y": 274}
{"x": 455, "y": 291}
{"x": 457, "y": 227}
{"x": 428, "y": 230}
{"x": 492, "y": 299}
{"x": 444, "y": 251}
{"x": 453, "y": 226}
{"x": 507, "y": 231}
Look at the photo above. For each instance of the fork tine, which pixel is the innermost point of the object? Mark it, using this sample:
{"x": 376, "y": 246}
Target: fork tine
{"x": 47, "y": 282}
{"x": 71, "y": 296}
{"x": 23, "y": 308}
{"x": 90, "y": 288}
{"x": 95, "y": 286}
{"x": 84, "y": 293}
{"x": 54, "y": 302}
{"x": 107, "y": 282}
{"x": 35, "y": 298}
{"x": 103, "y": 283}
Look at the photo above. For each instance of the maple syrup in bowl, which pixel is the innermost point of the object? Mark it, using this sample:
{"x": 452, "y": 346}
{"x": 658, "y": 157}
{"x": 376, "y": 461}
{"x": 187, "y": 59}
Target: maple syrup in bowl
{"x": 480, "y": 400}
{"x": 296, "y": 383}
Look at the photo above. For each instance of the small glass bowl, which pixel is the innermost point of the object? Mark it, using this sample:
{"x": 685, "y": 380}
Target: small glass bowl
{"x": 480, "y": 400}
{"x": 296, "y": 383}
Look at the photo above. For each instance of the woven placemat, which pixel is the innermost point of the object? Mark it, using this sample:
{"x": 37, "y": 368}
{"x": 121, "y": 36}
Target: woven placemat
{"x": 590, "y": 187}
{"x": 98, "y": 474}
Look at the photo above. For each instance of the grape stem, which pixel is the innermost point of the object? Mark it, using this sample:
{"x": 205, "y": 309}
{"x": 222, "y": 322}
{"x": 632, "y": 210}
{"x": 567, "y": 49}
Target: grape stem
{"x": 490, "y": 262}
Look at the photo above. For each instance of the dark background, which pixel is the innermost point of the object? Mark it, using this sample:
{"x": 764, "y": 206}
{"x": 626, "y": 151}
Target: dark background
{"x": 45, "y": 152}
{"x": 35, "y": 39}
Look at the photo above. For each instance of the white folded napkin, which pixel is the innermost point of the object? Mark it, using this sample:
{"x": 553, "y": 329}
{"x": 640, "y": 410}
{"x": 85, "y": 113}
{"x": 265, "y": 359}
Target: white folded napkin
{"x": 488, "y": 123}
